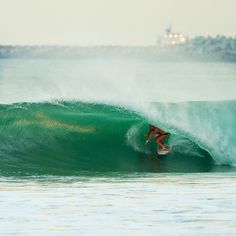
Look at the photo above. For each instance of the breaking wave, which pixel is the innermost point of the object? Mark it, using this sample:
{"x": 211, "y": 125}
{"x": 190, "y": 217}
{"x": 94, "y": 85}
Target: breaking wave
{"x": 73, "y": 137}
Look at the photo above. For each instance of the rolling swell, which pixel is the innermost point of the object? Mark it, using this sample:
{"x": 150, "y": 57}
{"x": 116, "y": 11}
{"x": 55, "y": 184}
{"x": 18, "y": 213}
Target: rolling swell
{"x": 72, "y": 138}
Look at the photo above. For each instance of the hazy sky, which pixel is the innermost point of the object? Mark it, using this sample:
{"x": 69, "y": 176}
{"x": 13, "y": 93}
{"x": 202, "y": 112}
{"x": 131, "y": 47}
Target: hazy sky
{"x": 123, "y": 22}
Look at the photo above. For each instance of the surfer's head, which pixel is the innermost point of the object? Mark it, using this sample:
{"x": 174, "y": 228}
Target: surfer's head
{"x": 151, "y": 127}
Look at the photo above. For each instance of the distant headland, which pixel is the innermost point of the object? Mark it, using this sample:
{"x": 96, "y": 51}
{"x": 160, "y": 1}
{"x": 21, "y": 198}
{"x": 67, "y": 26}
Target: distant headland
{"x": 218, "y": 48}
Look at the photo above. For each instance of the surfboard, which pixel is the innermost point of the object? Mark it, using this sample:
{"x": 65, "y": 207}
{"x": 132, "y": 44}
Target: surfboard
{"x": 163, "y": 152}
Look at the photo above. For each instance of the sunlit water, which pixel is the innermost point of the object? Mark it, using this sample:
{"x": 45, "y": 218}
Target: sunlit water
{"x": 152, "y": 204}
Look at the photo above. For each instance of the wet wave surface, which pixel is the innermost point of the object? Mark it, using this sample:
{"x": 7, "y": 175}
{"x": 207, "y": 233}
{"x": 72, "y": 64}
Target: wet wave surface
{"x": 70, "y": 138}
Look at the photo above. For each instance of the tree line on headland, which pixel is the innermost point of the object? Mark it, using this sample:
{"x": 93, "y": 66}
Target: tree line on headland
{"x": 219, "y": 48}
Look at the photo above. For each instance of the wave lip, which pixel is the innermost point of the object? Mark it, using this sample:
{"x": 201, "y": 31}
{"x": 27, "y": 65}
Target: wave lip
{"x": 209, "y": 124}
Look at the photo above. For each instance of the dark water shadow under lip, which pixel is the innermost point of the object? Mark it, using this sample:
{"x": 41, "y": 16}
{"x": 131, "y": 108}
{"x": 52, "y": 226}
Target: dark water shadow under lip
{"x": 182, "y": 163}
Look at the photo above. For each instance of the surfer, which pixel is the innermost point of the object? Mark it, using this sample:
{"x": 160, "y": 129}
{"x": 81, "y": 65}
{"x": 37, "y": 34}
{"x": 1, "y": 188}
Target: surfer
{"x": 159, "y": 134}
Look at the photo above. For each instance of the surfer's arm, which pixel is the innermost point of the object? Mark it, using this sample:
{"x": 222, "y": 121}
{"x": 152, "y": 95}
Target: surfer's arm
{"x": 150, "y": 135}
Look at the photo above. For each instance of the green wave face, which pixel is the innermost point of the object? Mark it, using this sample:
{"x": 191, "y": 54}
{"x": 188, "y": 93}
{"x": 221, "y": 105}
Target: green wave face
{"x": 74, "y": 138}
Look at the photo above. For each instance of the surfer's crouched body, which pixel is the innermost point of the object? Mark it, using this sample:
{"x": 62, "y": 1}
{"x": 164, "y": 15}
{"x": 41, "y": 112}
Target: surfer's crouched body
{"x": 159, "y": 134}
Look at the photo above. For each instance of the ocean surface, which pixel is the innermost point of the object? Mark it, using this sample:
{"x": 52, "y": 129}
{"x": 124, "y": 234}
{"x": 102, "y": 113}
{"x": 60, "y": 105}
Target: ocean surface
{"x": 72, "y": 153}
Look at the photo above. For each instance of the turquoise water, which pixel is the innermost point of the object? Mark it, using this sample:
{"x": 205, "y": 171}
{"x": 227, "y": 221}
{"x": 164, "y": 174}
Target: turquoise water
{"x": 72, "y": 153}
{"x": 70, "y": 138}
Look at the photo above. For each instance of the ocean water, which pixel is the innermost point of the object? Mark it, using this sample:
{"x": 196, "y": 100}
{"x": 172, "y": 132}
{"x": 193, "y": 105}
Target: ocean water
{"x": 72, "y": 151}
{"x": 134, "y": 204}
